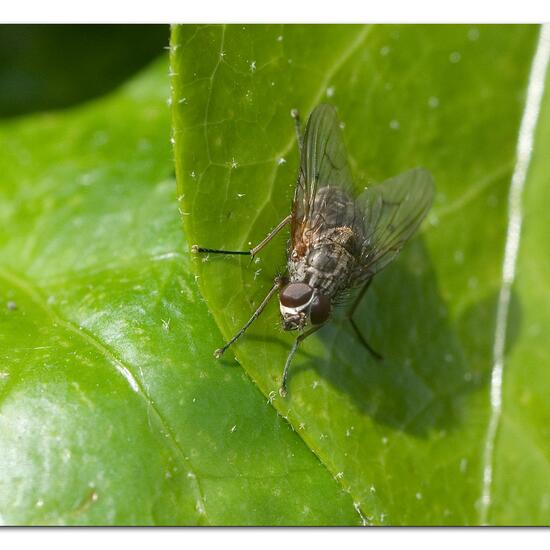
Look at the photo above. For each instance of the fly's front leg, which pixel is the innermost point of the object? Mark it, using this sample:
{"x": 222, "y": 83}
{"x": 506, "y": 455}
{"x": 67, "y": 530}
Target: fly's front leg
{"x": 196, "y": 249}
{"x": 276, "y": 286}
{"x": 349, "y": 316}
{"x": 293, "y": 350}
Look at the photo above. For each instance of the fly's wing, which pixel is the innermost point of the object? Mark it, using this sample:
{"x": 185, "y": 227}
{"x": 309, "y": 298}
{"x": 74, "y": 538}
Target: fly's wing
{"x": 323, "y": 166}
{"x": 391, "y": 213}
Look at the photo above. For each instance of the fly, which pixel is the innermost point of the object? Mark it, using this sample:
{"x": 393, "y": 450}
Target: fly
{"x": 339, "y": 240}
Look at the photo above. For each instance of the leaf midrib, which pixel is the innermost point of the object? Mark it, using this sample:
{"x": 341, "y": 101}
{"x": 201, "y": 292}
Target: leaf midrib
{"x": 32, "y": 291}
{"x": 526, "y": 131}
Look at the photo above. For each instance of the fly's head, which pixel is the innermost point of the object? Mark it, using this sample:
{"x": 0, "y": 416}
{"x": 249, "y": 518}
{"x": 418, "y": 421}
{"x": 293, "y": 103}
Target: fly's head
{"x": 301, "y": 304}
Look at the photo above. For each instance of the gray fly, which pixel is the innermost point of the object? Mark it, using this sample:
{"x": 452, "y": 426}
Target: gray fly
{"x": 338, "y": 240}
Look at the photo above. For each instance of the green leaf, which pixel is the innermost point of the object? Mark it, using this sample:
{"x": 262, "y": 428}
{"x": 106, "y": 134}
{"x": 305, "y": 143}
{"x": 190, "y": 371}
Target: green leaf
{"x": 522, "y": 448}
{"x": 410, "y": 439}
{"x": 112, "y": 409}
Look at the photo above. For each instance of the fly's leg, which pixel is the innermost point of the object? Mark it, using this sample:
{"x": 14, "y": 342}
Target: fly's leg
{"x": 349, "y": 316}
{"x": 276, "y": 285}
{"x": 293, "y": 350}
{"x": 296, "y": 116}
{"x": 196, "y": 249}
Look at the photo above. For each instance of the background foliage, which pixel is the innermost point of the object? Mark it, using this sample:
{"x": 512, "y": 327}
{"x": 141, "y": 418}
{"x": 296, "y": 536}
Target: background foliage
{"x": 53, "y": 66}
{"x": 112, "y": 409}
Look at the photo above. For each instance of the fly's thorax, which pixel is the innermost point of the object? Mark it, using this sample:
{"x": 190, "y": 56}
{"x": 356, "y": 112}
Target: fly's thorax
{"x": 301, "y": 304}
{"x": 329, "y": 262}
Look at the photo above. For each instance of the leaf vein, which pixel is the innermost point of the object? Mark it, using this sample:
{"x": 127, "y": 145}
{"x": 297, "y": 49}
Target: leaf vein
{"x": 33, "y": 293}
{"x": 535, "y": 90}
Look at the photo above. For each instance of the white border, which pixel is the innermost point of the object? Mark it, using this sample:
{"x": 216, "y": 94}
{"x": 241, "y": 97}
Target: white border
{"x": 165, "y": 11}
{"x": 269, "y": 538}
{"x": 281, "y": 11}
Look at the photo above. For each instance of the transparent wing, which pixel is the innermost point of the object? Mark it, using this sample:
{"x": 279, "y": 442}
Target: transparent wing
{"x": 391, "y": 213}
{"x": 324, "y": 159}
{"x": 324, "y": 167}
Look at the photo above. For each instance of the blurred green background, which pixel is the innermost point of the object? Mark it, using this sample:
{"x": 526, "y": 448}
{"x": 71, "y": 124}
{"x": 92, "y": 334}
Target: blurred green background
{"x": 53, "y": 66}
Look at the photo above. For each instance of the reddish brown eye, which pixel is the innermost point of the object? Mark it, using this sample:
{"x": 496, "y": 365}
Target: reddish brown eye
{"x": 320, "y": 309}
{"x": 295, "y": 295}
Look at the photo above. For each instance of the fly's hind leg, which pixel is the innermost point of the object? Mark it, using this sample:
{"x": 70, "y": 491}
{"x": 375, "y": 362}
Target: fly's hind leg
{"x": 196, "y": 249}
{"x": 296, "y": 116}
{"x": 349, "y": 316}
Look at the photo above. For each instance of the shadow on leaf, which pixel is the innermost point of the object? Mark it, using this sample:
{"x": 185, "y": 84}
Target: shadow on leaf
{"x": 430, "y": 363}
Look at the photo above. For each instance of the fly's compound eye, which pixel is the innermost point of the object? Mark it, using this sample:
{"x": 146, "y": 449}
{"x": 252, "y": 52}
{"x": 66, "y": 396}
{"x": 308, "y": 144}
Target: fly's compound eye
{"x": 295, "y": 295}
{"x": 320, "y": 309}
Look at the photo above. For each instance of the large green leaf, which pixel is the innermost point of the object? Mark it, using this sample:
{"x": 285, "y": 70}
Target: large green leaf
{"x": 112, "y": 409}
{"x": 411, "y": 439}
